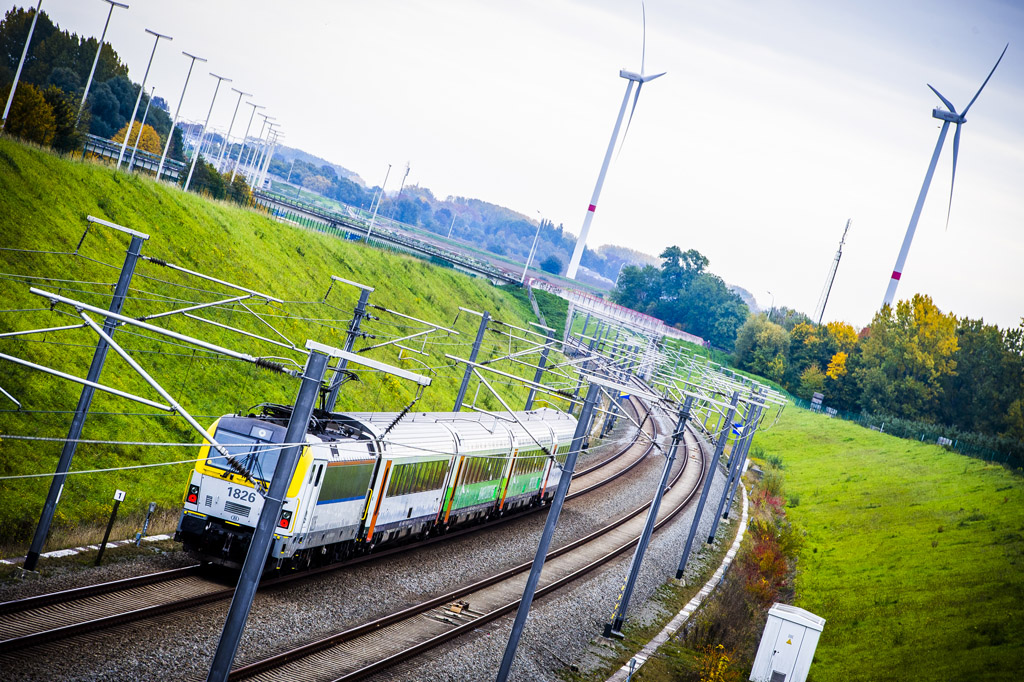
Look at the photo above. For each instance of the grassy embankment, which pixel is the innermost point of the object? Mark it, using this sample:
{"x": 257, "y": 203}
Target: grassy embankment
{"x": 43, "y": 204}
{"x": 914, "y": 555}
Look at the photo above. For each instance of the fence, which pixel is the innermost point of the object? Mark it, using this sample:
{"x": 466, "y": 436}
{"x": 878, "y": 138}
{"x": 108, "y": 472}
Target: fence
{"x": 965, "y": 443}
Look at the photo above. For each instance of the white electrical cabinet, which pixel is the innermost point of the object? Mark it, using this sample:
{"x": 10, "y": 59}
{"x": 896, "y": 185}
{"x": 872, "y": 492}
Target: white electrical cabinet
{"x": 787, "y": 645}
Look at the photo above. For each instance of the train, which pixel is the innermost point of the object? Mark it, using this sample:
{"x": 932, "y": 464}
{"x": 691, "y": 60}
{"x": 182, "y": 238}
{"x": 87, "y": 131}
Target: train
{"x": 367, "y": 479}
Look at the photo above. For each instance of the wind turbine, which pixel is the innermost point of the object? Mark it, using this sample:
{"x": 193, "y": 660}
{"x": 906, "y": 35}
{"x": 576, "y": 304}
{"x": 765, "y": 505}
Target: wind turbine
{"x": 639, "y": 79}
{"x": 947, "y": 116}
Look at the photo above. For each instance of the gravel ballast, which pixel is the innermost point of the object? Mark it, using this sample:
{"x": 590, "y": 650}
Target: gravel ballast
{"x": 181, "y": 647}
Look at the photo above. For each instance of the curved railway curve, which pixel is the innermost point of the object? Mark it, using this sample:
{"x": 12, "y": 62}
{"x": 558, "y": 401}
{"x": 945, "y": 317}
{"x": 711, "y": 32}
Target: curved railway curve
{"x": 369, "y": 648}
{"x": 63, "y": 615}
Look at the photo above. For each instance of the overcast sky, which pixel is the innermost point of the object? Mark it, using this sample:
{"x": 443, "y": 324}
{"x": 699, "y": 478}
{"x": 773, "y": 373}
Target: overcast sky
{"x": 777, "y": 121}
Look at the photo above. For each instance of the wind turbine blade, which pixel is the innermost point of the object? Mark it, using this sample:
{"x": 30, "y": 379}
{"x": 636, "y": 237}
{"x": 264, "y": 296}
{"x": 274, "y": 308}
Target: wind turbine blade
{"x": 643, "y": 50}
{"x": 636, "y": 98}
{"x": 956, "y": 150}
{"x": 949, "y": 105}
{"x": 985, "y": 83}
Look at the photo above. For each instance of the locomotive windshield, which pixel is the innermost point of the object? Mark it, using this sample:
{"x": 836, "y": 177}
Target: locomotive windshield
{"x": 259, "y": 459}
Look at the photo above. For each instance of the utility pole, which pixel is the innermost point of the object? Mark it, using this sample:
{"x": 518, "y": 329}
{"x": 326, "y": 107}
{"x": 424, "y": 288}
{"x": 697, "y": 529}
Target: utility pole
{"x": 614, "y": 629}
{"x": 85, "y": 399}
{"x": 227, "y": 138}
{"x": 549, "y": 530}
{"x": 719, "y": 449}
{"x": 256, "y": 558}
{"x": 735, "y": 462}
{"x": 539, "y": 373}
{"x": 353, "y": 332}
{"x": 749, "y": 432}
{"x": 485, "y": 318}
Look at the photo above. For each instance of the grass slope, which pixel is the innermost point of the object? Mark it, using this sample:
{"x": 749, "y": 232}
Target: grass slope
{"x": 44, "y": 200}
{"x": 913, "y": 554}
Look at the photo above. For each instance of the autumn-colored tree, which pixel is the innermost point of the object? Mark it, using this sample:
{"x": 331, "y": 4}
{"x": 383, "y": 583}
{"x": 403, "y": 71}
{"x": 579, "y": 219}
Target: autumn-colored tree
{"x": 762, "y": 347}
{"x": 238, "y": 190}
{"x": 811, "y": 381}
{"x": 150, "y": 141}
{"x": 30, "y": 118}
{"x": 905, "y": 359}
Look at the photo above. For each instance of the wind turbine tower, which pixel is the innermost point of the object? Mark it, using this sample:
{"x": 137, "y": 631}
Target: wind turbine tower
{"x": 823, "y": 299}
{"x": 947, "y": 116}
{"x": 639, "y": 79}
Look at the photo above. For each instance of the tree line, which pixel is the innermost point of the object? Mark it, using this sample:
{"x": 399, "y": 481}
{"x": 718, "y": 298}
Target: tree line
{"x": 913, "y": 362}
{"x": 46, "y": 104}
{"x": 684, "y": 294}
{"x": 497, "y": 229}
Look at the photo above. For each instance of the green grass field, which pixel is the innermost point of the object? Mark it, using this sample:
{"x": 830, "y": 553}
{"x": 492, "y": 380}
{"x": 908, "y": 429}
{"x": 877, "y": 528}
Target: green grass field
{"x": 914, "y": 555}
{"x": 44, "y": 201}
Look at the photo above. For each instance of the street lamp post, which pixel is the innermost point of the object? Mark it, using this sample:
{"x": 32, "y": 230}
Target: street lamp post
{"x": 142, "y": 87}
{"x": 227, "y": 139}
{"x": 259, "y": 149}
{"x": 138, "y": 138}
{"x": 96, "y": 59}
{"x": 772, "y": 307}
{"x": 174, "y": 123}
{"x": 451, "y": 227}
{"x": 202, "y": 131}
{"x": 271, "y": 146}
{"x": 529, "y": 258}
{"x": 376, "y": 208}
{"x": 245, "y": 138}
{"x": 21, "y": 63}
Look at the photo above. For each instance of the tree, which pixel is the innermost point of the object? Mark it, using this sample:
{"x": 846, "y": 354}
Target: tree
{"x": 239, "y": 191}
{"x": 811, "y": 381}
{"x": 65, "y": 110}
{"x": 150, "y": 141}
{"x": 104, "y": 108}
{"x": 638, "y": 288}
{"x": 316, "y": 183}
{"x": 762, "y": 346}
{"x": 989, "y": 378}
{"x": 679, "y": 268}
{"x": 905, "y": 359}
{"x": 30, "y": 118}
{"x": 551, "y": 264}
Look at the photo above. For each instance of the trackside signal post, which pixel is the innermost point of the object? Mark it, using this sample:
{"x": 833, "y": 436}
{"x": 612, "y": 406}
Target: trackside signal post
{"x": 622, "y": 605}
{"x": 85, "y": 399}
{"x": 549, "y": 531}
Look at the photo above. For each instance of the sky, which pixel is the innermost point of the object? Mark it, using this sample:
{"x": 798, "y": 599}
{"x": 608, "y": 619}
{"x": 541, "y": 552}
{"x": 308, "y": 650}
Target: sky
{"x": 778, "y": 120}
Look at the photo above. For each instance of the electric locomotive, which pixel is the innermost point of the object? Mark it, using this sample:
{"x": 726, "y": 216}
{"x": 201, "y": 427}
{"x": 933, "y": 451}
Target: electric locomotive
{"x": 366, "y": 479}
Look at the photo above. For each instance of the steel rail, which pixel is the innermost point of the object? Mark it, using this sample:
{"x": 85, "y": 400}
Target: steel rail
{"x": 271, "y": 663}
{"x": 105, "y": 622}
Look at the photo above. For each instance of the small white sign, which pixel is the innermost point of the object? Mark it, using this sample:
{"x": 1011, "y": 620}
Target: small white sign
{"x": 119, "y": 495}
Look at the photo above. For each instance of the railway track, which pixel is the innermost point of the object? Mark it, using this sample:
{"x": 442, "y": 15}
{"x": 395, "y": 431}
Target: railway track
{"x": 372, "y": 647}
{"x": 61, "y": 615}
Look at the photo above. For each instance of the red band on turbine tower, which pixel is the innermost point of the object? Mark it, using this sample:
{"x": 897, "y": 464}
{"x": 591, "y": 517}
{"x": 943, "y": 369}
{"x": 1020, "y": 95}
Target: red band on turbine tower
{"x": 592, "y": 208}
{"x": 895, "y": 275}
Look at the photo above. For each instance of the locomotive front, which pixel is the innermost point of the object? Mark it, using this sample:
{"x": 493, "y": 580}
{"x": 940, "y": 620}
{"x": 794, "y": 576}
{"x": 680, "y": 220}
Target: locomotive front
{"x": 222, "y": 503}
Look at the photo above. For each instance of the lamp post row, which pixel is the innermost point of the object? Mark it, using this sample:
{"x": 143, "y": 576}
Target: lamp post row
{"x": 142, "y": 87}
